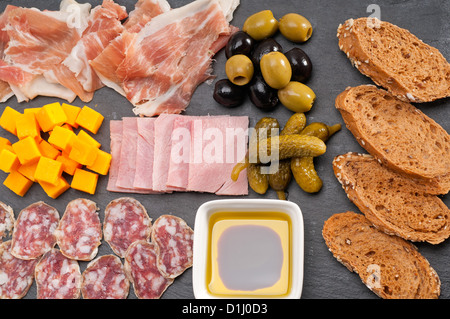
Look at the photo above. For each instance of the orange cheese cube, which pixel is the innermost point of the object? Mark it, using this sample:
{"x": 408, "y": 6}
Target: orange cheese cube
{"x": 84, "y": 181}
{"x": 33, "y": 111}
{"x": 62, "y": 138}
{"x": 72, "y": 112}
{"x": 18, "y": 183}
{"x": 8, "y": 120}
{"x": 48, "y": 150}
{"x": 48, "y": 170}
{"x": 54, "y": 191}
{"x": 27, "y": 150}
{"x": 26, "y": 125}
{"x": 87, "y": 138}
{"x": 89, "y": 119}
{"x": 102, "y": 163}
{"x": 69, "y": 165}
{"x": 5, "y": 144}
{"x": 28, "y": 170}
{"x": 83, "y": 152}
{"x": 8, "y": 161}
{"x": 51, "y": 115}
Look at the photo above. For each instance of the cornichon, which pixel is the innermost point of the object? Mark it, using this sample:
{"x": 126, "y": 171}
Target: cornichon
{"x": 303, "y": 168}
{"x": 280, "y": 180}
{"x": 294, "y": 125}
{"x": 279, "y": 148}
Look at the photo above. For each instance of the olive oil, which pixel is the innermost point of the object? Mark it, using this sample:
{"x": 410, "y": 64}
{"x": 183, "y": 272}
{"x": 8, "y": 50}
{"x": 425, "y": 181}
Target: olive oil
{"x": 249, "y": 254}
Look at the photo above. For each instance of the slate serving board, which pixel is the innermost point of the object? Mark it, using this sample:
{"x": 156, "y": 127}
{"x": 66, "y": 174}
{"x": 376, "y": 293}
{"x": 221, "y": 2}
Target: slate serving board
{"x": 324, "y": 277}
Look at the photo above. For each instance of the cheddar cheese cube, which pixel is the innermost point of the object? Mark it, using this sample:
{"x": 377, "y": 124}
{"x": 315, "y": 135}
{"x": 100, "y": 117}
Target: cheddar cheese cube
{"x": 8, "y": 119}
{"x": 89, "y": 119}
{"x": 87, "y": 138}
{"x": 62, "y": 138}
{"x": 51, "y": 115}
{"x": 48, "y": 170}
{"x": 27, "y": 150}
{"x": 72, "y": 112}
{"x": 54, "y": 191}
{"x": 48, "y": 150}
{"x": 83, "y": 152}
{"x": 5, "y": 144}
{"x": 102, "y": 163}
{"x": 26, "y": 125}
{"x": 8, "y": 161}
{"x": 33, "y": 111}
{"x": 18, "y": 183}
{"x": 69, "y": 165}
{"x": 84, "y": 181}
{"x": 28, "y": 170}
{"x": 67, "y": 126}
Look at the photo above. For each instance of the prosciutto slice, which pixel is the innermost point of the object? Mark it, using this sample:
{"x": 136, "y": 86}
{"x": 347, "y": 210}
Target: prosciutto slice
{"x": 158, "y": 68}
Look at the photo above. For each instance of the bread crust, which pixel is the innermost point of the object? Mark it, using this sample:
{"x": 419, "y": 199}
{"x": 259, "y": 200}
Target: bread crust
{"x": 395, "y": 204}
{"x": 434, "y": 171}
{"x": 389, "y": 266}
{"x": 395, "y": 59}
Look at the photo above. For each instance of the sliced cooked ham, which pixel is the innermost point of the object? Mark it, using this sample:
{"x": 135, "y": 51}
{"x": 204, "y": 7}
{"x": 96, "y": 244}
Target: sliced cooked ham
{"x": 143, "y": 178}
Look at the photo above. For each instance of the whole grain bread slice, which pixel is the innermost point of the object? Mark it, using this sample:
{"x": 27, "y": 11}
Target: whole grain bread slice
{"x": 395, "y": 59}
{"x": 398, "y": 135}
{"x": 388, "y": 265}
{"x": 395, "y": 204}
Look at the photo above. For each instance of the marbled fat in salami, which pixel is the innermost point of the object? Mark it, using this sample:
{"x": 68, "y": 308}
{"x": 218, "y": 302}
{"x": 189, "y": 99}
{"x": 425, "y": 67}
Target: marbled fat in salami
{"x": 173, "y": 239}
{"x": 80, "y": 231}
{"x": 105, "y": 278}
{"x": 126, "y": 221}
{"x": 6, "y": 220}
{"x": 34, "y": 231}
{"x": 16, "y": 275}
{"x": 57, "y": 277}
{"x": 140, "y": 266}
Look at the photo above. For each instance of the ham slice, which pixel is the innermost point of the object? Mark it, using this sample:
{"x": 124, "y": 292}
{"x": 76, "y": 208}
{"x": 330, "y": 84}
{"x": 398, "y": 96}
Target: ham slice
{"x": 143, "y": 178}
{"x": 127, "y": 167}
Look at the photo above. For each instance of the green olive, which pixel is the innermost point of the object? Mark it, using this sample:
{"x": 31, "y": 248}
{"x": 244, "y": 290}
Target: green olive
{"x": 297, "y": 97}
{"x": 239, "y": 69}
{"x": 295, "y": 27}
{"x": 261, "y": 25}
{"x": 276, "y": 69}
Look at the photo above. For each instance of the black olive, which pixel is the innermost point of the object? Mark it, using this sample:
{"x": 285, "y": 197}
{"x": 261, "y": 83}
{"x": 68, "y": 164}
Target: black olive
{"x": 262, "y": 48}
{"x": 262, "y": 95}
{"x": 300, "y": 63}
{"x": 228, "y": 94}
{"x": 239, "y": 43}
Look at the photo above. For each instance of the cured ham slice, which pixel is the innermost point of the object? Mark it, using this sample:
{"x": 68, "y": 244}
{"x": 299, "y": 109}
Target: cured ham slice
{"x": 127, "y": 168}
{"x": 107, "y": 62}
{"x": 57, "y": 277}
{"x": 145, "y": 152}
{"x": 16, "y": 275}
{"x": 159, "y": 67}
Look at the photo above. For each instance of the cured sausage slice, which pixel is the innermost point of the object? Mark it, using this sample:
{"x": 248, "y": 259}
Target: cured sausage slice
{"x": 6, "y": 220}
{"x": 34, "y": 231}
{"x": 57, "y": 277}
{"x": 173, "y": 239}
{"x": 16, "y": 275}
{"x": 80, "y": 231}
{"x": 126, "y": 221}
{"x": 105, "y": 278}
{"x": 140, "y": 266}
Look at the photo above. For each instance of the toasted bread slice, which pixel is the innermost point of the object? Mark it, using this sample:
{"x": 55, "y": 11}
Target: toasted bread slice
{"x": 398, "y": 134}
{"x": 395, "y": 204}
{"x": 395, "y": 59}
{"x": 388, "y": 265}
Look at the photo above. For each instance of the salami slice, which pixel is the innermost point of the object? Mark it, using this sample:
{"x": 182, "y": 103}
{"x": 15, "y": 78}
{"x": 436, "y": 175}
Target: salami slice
{"x": 126, "y": 221}
{"x": 173, "y": 239}
{"x": 6, "y": 220}
{"x": 57, "y": 277}
{"x": 16, "y": 275}
{"x": 34, "y": 231}
{"x": 105, "y": 278}
{"x": 140, "y": 266}
{"x": 80, "y": 231}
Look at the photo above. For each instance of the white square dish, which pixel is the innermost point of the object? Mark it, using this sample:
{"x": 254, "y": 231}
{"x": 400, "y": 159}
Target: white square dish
{"x": 202, "y": 236}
